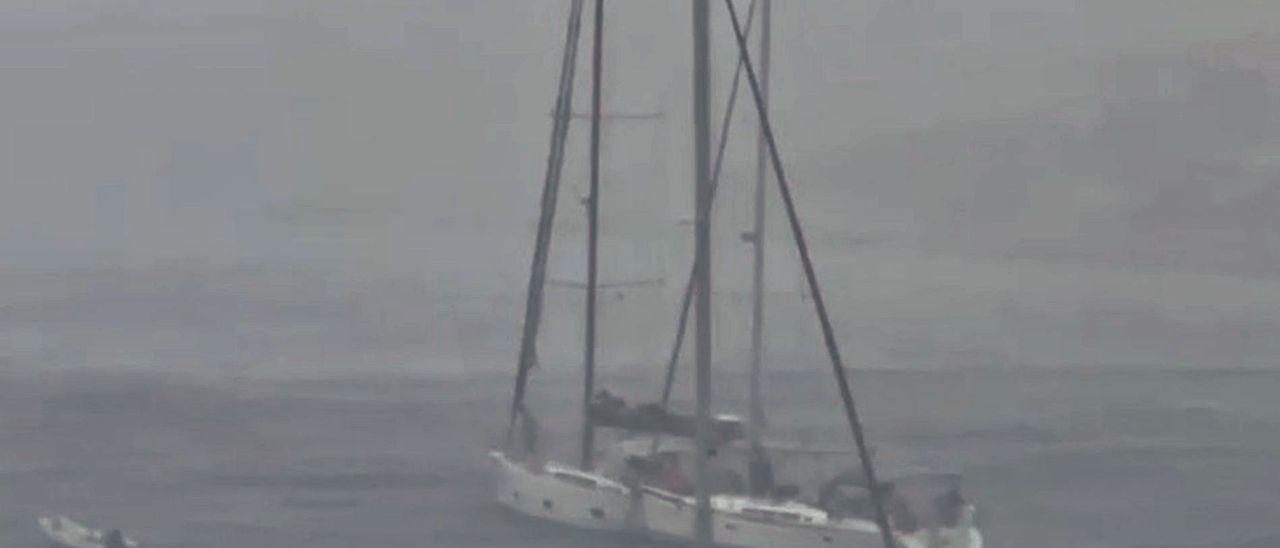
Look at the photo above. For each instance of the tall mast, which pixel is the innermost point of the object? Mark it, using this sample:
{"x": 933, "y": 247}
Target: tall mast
{"x": 550, "y": 190}
{"x": 702, "y": 261}
{"x": 757, "y": 237}
{"x": 593, "y": 220}
{"x": 685, "y": 303}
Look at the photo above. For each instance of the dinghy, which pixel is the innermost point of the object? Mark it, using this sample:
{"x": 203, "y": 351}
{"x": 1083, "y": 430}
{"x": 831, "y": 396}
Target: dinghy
{"x": 63, "y": 531}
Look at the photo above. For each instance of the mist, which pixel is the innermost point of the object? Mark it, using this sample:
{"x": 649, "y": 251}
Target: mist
{"x": 271, "y": 255}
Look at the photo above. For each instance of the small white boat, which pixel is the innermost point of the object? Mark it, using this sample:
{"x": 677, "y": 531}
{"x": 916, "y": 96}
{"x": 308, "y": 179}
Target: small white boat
{"x": 63, "y": 531}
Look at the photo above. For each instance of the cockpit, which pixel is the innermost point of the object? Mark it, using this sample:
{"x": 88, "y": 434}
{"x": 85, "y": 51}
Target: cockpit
{"x": 920, "y": 501}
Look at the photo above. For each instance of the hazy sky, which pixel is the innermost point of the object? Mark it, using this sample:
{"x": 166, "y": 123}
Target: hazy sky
{"x": 372, "y": 136}
{"x": 407, "y": 138}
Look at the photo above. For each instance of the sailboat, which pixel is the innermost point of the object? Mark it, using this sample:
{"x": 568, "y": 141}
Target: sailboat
{"x": 642, "y": 488}
{"x": 553, "y": 491}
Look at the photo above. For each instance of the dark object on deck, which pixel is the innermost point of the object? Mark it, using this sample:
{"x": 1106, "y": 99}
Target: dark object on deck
{"x": 760, "y": 473}
{"x": 114, "y": 539}
{"x": 610, "y": 411}
{"x": 913, "y": 501}
{"x": 784, "y": 492}
{"x": 529, "y": 427}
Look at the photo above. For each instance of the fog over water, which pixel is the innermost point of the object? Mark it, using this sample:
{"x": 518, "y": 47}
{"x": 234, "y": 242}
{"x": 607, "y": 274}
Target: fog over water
{"x": 264, "y": 261}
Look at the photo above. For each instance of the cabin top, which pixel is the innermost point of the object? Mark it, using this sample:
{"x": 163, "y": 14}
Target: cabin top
{"x": 583, "y": 479}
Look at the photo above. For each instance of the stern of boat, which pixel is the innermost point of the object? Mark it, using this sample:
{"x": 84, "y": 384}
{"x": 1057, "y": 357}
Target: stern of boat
{"x": 965, "y": 534}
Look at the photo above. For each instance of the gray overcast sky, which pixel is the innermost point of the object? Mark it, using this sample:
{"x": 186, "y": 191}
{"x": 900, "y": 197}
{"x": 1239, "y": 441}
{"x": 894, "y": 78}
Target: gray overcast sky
{"x": 373, "y": 134}
{"x": 376, "y": 138}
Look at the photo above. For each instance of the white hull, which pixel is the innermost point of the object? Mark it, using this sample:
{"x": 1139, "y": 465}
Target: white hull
{"x": 563, "y": 495}
{"x": 65, "y": 532}
{"x": 589, "y": 501}
{"x": 671, "y": 517}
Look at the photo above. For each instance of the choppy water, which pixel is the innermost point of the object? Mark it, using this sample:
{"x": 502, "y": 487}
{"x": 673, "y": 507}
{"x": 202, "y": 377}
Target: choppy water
{"x": 1054, "y": 459}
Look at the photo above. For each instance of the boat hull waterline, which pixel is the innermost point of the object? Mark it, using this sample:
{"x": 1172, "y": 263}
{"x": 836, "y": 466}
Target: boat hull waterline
{"x": 563, "y": 495}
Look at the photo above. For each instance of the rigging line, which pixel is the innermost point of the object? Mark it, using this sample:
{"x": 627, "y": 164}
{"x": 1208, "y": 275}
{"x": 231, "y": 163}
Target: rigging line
{"x": 687, "y": 300}
{"x": 828, "y": 335}
{"x": 550, "y": 191}
{"x": 593, "y": 228}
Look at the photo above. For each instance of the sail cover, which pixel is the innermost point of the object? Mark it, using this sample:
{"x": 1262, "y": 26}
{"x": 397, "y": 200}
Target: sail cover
{"x": 610, "y": 411}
